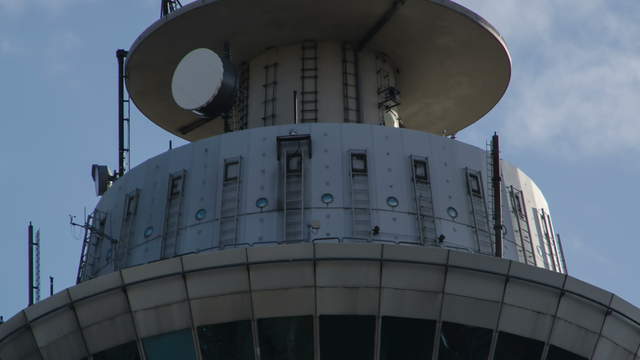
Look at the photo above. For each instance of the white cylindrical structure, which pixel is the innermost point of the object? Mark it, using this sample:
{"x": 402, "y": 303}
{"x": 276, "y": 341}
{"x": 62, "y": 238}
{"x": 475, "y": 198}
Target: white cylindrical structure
{"x": 319, "y": 182}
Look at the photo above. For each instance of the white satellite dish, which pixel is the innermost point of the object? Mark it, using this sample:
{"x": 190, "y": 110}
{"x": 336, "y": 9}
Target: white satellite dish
{"x": 197, "y": 79}
{"x": 204, "y": 83}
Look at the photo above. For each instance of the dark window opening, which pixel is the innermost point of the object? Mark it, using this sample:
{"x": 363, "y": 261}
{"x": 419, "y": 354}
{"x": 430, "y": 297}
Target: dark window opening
{"x": 517, "y": 203}
{"x": 294, "y": 163}
{"x": 421, "y": 171}
{"x": 474, "y": 185}
{"x": 231, "y": 170}
{"x": 406, "y": 339}
{"x": 131, "y": 205}
{"x": 461, "y": 342}
{"x": 173, "y": 345}
{"x": 520, "y": 205}
{"x": 289, "y": 338}
{"x": 359, "y": 163}
{"x": 228, "y": 341}
{"x": 176, "y": 186}
{"x": 347, "y": 337}
{"x": 128, "y": 351}
{"x": 556, "y": 353}
{"x": 514, "y": 347}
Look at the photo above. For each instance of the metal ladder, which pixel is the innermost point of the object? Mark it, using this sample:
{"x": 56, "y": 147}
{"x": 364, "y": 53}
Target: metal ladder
{"x": 479, "y": 212}
{"x": 242, "y": 100}
{"x": 360, "y": 202}
{"x": 525, "y": 249}
{"x": 490, "y": 191}
{"x": 173, "y": 214}
{"x": 230, "y": 202}
{"x": 270, "y": 94}
{"x": 388, "y": 93}
{"x": 309, "y": 82}
{"x": 551, "y": 241}
{"x": 86, "y": 244}
{"x": 350, "y": 83}
{"x": 424, "y": 200}
{"x": 293, "y": 195}
{"x": 127, "y": 230}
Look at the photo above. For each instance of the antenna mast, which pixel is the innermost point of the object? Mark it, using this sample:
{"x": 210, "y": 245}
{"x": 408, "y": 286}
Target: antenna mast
{"x": 33, "y": 249}
{"x": 123, "y": 150}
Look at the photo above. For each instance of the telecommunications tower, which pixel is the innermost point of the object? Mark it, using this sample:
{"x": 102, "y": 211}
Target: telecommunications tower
{"x": 323, "y": 209}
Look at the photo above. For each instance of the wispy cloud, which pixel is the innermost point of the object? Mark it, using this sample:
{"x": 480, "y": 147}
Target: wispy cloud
{"x": 576, "y": 82}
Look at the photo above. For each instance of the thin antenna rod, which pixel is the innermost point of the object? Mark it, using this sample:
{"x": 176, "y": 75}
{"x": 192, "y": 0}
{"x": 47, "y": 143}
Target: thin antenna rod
{"x": 497, "y": 206}
{"x": 295, "y": 107}
{"x": 121, "y": 54}
{"x": 50, "y": 285}
{"x": 30, "y": 247}
{"x": 36, "y": 285}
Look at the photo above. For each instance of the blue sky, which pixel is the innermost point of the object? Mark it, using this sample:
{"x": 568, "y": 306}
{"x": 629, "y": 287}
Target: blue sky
{"x": 569, "y": 119}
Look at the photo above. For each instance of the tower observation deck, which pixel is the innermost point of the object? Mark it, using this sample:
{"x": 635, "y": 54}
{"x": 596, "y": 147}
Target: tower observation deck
{"x": 323, "y": 208}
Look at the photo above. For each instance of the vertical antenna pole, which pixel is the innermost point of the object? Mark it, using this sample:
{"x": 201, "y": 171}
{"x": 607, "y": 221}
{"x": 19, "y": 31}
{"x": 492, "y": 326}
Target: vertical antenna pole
{"x": 30, "y": 247}
{"x": 295, "y": 107}
{"x": 36, "y": 285}
{"x": 50, "y": 285}
{"x": 495, "y": 179}
{"x": 121, "y": 55}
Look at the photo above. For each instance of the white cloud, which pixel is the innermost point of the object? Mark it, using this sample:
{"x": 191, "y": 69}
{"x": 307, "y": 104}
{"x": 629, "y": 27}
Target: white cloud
{"x": 576, "y": 81}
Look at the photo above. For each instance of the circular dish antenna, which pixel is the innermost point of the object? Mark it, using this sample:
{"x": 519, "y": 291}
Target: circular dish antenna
{"x": 197, "y": 79}
{"x": 203, "y": 83}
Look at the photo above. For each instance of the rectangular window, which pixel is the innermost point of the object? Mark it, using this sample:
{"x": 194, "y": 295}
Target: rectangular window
{"x": 474, "y": 185}
{"x": 231, "y": 170}
{"x": 176, "y": 186}
{"x": 517, "y": 203}
{"x": 294, "y": 163}
{"x": 228, "y": 341}
{"x": 421, "y": 171}
{"x": 128, "y": 351}
{"x": 347, "y": 337}
{"x": 520, "y": 205}
{"x": 514, "y": 347}
{"x": 287, "y": 338}
{"x": 170, "y": 346}
{"x": 406, "y": 339}
{"x": 464, "y": 342}
{"x": 359, "y": 163}
{"x": 131, "y": 205}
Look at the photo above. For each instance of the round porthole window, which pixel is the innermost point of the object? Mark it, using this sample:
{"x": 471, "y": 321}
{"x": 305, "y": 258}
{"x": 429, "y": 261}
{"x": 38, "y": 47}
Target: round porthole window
{"x": 326, "y": 198}
{"x": 148, "y": 231}
{"x": 262, "y": 203}
{"x": 392, "y": 201}
{"x": 201, "y": 214}
{"x": 451, "y": 211}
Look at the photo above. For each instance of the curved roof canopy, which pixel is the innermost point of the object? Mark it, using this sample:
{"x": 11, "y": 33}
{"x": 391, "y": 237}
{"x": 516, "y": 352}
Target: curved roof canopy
{"x": 454, "y": 66}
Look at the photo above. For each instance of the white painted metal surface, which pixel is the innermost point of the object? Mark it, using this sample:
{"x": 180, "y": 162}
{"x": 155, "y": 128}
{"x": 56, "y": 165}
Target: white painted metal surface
{"x": 213, "y": 216}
